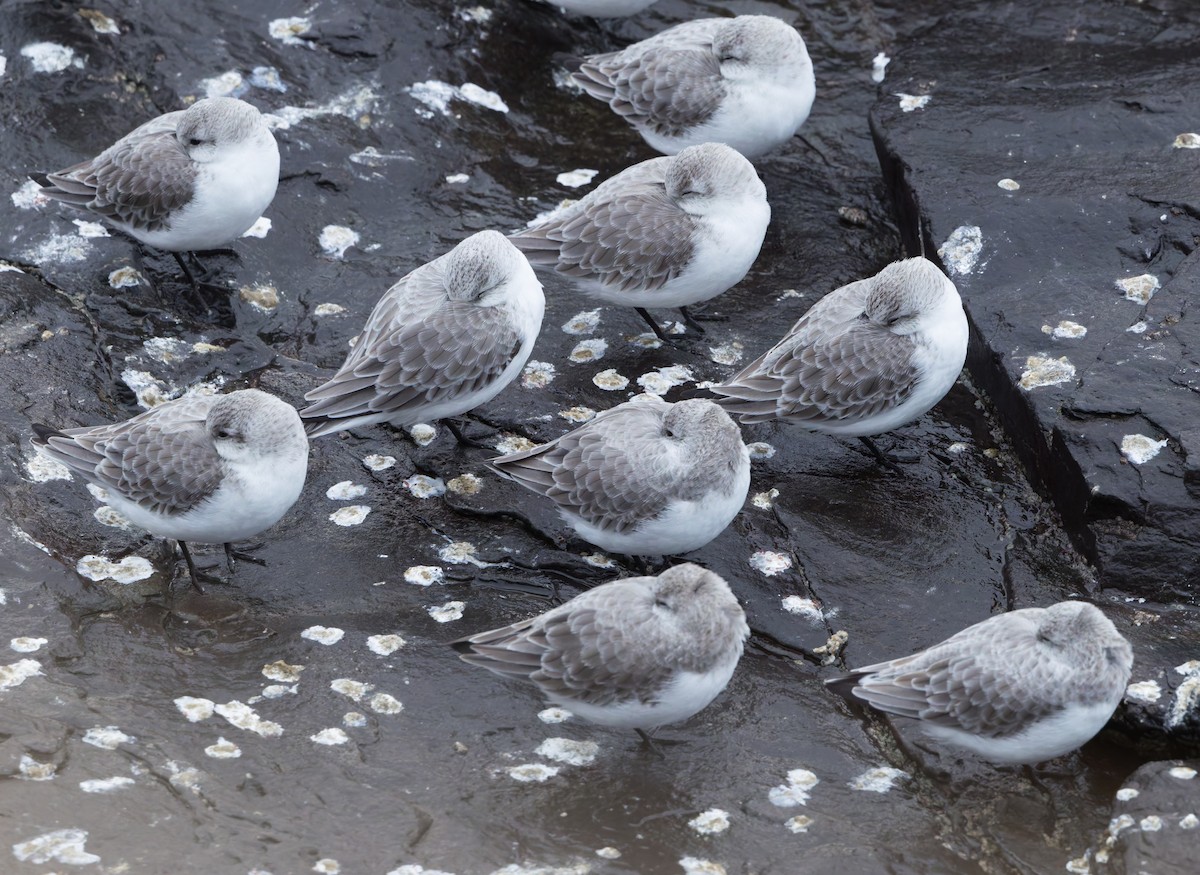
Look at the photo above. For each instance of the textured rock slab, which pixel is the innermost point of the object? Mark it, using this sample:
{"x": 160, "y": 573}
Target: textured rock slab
{"x": 830, "y": 544}
{"x": 1045, "y": 153}
{"x": 1155, "y": 825}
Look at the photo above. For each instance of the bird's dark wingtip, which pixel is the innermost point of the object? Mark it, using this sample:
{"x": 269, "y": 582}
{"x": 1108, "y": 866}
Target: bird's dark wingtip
{"x": 42, "y": 433}
{"x": 316, "y": 425}
{"x": 572, "y": 63}
{"x": 41, "y": 179}
{"x": 843, "y": 684}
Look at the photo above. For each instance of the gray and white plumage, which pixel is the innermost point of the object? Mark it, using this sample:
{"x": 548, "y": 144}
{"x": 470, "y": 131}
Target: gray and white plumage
{"x": 865, "y": 359}
{"x": 635, "y": 653}
{"x": 646, "y": 478}
{"x": 444, "y": 339}
{"x": 667, "y": 232}
{"x": 1020, "y": 687}
{"x": 206, "y": 468}
{"x": 745, "y": 81}
{"x": 194, "y": 179}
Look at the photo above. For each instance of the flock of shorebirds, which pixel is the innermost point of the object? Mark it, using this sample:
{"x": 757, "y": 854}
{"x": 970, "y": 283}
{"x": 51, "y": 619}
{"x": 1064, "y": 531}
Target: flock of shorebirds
{"x": 645, "y": 478}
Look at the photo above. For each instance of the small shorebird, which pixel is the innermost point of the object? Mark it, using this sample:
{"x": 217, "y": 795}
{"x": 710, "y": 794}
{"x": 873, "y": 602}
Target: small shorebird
{"x": 668, "y": 232}
{"x": 865, "y": 359}
{"x": 1020, "y": 687}
{"x": 444, "y": 339}
{"x": 635, "y": 653}
{"x": 646, "y": 478}
{"x": 206, "y": 468}
{"x": 190, "y": 180}
{"x": 745, "y": 81}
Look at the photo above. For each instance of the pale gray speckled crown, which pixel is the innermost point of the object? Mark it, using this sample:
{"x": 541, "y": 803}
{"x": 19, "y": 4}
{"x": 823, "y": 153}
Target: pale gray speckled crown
{"x": 257, "y": 421}
{"x": 712, "y": 170}
{"x": 221, "y": 121}
{"x": 758, "y": 41}
{"x": 479, "y": 263}
{"x": 905, "y": 289}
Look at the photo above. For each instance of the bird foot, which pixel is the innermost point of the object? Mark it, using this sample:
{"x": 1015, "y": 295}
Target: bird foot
{"x": 892, "y": 461}
{"x": 463, "y": 440}
{"x": 693, "y": 320}
{"x": 243, "y": 556}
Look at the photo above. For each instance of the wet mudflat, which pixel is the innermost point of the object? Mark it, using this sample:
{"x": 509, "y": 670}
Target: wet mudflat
{"x": 310, "y": 716}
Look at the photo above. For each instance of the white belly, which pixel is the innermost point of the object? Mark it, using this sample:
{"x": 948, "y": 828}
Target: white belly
{"x": 686, "y": 526}
{"x": 250, "y": 501}
{"x": 723, "y": 255}
{"x": 753, "y": 119}
{"x": 231, "y": 194}
{"x": 687, "y": 694}
{"x": 1044, "y": 740}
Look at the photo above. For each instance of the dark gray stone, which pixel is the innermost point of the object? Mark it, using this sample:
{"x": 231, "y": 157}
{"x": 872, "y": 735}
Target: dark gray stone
{"x": 1082, "y": 113}
{"x": 1155, "y": 826}
{"x": 897, "y": 562}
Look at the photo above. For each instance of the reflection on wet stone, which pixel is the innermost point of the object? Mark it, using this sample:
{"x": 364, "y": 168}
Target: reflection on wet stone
{"x": 403, "y": 129}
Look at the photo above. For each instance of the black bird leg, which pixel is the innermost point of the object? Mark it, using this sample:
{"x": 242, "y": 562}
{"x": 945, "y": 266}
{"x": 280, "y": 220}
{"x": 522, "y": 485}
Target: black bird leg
{"x": 690, "y": 321}
{"x": 654, "y": 326}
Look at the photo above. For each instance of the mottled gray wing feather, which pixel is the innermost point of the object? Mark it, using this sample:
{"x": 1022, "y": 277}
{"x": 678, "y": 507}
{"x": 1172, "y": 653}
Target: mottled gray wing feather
{"x": 589, "y": 650}
{"x": 967, "y": 682}
{"x": 627, "y": 234}
{"x": 162, "y": 460}
{"x": 418, "y": 348}
{"x": 139, "y": 181}
{"x": 612, "y": 472}
{"x": 833, "y": 365}
{"x": 668, "y": 90}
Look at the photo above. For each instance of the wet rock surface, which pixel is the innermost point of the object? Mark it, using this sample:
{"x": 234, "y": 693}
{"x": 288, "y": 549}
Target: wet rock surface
{"x": 309, "y": 715}
{"x": 1065, "y": 206}
{"x": 1154, "y": 822}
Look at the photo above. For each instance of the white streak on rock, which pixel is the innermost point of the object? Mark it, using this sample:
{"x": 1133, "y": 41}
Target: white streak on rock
{"x": 195, "y": 709}
{"x": 961, "y": 251}
{"x": 51, "y": 58}
{"x": 16, "y": 673}
{"x": 336, "y": 239}
{"x": 568, "y": 751}
{"x": 1139, "y": 449}
{"x": 326, "y": 635}
{"x": 576, "y": 178}
{"x": 62, "y": 845}
{"x": 879, "y": 780}
{"x": 910, "y": 102}
{"x": 1044, "y": 371}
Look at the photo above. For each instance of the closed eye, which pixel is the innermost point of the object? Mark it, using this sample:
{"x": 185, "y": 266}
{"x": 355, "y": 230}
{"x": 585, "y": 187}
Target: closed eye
{"x": 659, "y": 603}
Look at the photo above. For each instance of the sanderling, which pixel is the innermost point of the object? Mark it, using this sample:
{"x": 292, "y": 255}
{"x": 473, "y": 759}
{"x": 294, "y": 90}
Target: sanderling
{"x": 865, "y": 359}
{"x": 1020, "y": 687}
{"x": 646, "y": 478}
{"x": 667, "y": 232}
{"x": 444, "y": 339}
{"x": 189, "y": 180}
{"x": 745, "y": 81}
{"x": 602, "y": 8}
{"x": 635, "y": 653}
{"x": 206, "y": 468}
